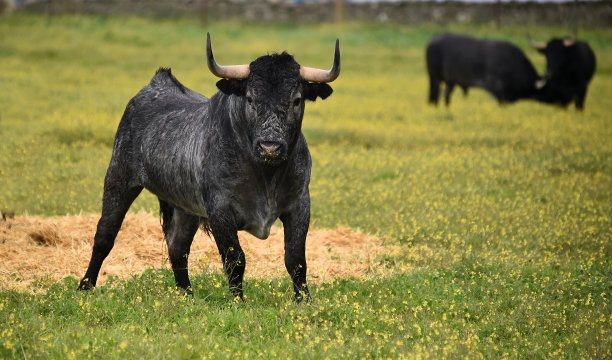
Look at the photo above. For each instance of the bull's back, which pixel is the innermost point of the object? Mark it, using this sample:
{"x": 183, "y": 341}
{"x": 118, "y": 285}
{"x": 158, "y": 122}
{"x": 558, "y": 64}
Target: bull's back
{"x": 456, "y": 59}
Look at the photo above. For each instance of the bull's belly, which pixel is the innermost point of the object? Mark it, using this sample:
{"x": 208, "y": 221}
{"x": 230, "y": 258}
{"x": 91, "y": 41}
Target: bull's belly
{"x": 188, "y": 204}
{"x": 255, "y": 217}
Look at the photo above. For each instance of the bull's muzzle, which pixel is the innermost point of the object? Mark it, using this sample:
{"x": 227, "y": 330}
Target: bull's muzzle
{"x": 270, "y": 151}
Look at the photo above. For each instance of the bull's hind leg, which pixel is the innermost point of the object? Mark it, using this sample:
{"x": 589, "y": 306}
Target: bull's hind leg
{"x": 117, "y": 198}
{"x": 179, "y": 229}
{"x": 296, "y": 225}
{"x": 580, "y": 95}
{"x": 448, "y": 90}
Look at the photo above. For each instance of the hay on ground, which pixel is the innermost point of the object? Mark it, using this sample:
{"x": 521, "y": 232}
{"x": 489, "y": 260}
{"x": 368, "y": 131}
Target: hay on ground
{"x": 32, "y": 246}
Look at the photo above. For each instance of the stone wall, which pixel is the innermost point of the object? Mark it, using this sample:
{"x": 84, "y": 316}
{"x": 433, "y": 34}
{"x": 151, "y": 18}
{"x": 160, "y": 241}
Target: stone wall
{"x": 586, "y": 13}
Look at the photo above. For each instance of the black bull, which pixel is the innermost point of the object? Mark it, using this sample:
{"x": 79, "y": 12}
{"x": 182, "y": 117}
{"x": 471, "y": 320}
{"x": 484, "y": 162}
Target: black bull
{"x": 236, "y": 161}
{"x": 496, "y": 66}
{"x": 504, "y": 71}
{"x": 570, "y": 65}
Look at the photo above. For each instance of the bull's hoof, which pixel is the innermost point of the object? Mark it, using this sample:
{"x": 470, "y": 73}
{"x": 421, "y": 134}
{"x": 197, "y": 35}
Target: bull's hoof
{"x": 237, "y": 294}
{"x": 303, "y": 298}
{"x": 85, "y": 285}
{"x": 185, "y": 290}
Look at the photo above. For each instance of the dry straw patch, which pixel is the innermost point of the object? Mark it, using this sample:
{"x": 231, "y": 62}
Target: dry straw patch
{"x": 32, "y": 246}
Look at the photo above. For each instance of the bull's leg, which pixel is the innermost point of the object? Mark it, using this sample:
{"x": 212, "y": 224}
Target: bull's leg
{"x": 234, "y": 262}
{"x": 179, "y": 229}
{"x": 581, "y": 94}
{"x": 448, "y": 89}
{"x": 296, "y": 225}
{"x": 116, "y": 200}
{"x": 434, "y": 90}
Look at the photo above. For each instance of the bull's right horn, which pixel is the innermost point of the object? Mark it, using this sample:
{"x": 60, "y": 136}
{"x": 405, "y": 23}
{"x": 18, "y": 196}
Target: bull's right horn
{"x": 537, "y": 45}
{"x": 227, "y": 71}
{"x": 318, "y": 75}
{"x": 540, "y": 83}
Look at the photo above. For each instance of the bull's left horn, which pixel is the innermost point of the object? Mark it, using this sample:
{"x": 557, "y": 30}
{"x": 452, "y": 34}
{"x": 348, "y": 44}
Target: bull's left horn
{"x": 568, "y": 42}
{"x": 227, "y": 71}
{"x": 318, "y": 75}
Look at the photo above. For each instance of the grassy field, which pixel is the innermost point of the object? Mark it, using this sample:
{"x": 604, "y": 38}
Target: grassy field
{"x": 513, "y": 203}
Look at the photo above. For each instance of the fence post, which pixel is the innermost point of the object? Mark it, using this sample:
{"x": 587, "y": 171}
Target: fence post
{"x": 339, "y": 11}
{"x": 575, "y": 19}
{"x": 203, "y": 13}
{"x": 498, "y": 9}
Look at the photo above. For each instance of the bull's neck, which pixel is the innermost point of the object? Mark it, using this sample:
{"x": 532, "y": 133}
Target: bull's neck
{"x": 229, "y": 110}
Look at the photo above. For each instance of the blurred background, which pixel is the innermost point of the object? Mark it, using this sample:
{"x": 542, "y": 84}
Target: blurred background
{"x": 410, "y": 12}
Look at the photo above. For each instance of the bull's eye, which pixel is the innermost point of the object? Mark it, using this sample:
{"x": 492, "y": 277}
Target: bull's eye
{"x": 297, "y": 102}
{"x": 249, "y": 100}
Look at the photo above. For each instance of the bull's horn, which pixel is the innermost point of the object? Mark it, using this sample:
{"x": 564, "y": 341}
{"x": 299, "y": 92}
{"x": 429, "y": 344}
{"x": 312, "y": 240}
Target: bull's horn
{"x": 540, "y": 83}
{"x": 568, "y": 42}
{"x": 318, "y": 75}
{"x": 227, "y": 71}
{"x": 537, "y": 45}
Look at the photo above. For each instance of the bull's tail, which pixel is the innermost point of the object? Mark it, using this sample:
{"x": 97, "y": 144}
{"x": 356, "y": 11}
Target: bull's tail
{"x": 205, "y": 226}
{"x": 166, "y": 211}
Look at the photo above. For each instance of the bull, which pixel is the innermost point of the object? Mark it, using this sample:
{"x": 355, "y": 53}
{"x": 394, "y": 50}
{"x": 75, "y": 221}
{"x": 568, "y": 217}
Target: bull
{"x": 499, "y": 67}
{"x": 570, "y": 65}
{"x": 236, "y": 161}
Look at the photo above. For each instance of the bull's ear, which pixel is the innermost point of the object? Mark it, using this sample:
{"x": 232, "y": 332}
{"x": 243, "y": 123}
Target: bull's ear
{"x": 315, "y": 89}
{"x": 232, "y": 86}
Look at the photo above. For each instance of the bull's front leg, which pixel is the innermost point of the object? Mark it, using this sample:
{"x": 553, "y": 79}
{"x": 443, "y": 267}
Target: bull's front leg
{"x": 234, "y": 262}
{"x": 296, "y": 224}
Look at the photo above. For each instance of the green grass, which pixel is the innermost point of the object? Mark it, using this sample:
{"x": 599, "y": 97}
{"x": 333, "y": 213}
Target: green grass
{"x": 513, "y": 203}
{"x": 464, "y": 311}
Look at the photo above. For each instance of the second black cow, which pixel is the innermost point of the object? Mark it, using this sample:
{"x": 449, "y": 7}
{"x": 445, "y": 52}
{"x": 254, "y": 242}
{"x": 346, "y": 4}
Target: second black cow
{"x": 497, "y": 66}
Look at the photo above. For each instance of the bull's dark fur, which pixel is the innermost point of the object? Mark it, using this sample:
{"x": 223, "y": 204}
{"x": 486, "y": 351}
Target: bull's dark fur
{"x": 497, "y": 66}
{"x": 570, "y": 65}
{"x": 236, "y": 161}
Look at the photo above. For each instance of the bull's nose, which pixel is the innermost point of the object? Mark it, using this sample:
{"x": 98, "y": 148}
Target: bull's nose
{"x": 269, "y": 147}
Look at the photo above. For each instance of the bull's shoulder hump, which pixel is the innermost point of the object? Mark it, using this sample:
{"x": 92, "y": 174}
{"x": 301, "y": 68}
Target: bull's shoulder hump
{"x": 163, "y": 78}
{"x": 164, "y": 81}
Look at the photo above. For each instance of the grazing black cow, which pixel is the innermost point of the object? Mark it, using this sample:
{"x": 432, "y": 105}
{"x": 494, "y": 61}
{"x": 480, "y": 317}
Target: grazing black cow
{"x": 236, "y": 161}
{"x": 570, "y": 65}
{"x": 497, "y": 66}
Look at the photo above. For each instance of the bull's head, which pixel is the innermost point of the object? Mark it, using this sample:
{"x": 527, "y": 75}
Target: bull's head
{"x": 556, "y": 55}
{"x": 272, "y": 90}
